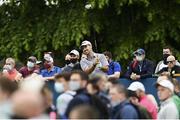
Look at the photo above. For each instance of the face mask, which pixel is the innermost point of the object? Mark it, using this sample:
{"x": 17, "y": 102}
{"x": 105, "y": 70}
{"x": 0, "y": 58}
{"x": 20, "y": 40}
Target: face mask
{"x": 73, "y": 61}
{"x": 139, "y": 58}
{"x": 30, "y": 64}
{"x": 59, "y": 87}
{"x": 47, "y": 65}
{"x": 73, "y": 85}
{"x": 115, "y": 103}
{"x": 165, "y": 56}
{"x": 8, "y": 67}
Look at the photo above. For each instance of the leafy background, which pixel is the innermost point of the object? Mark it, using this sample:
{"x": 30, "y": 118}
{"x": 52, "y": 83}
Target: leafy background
{"x": 30, "y": 27}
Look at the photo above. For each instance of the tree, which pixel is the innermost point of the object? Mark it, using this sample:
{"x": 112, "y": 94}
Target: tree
{"x": 121, "y": 26}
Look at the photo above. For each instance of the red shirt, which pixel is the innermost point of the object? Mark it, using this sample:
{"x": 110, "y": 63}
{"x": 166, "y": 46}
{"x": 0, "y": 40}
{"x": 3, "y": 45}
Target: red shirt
{"x": 151, "y": 108}
{"x": 12, "y": 74}
{"x": 25, "y": 72}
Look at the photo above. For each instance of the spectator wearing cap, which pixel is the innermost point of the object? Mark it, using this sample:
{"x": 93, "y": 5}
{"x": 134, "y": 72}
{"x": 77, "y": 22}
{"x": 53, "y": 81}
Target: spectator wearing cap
{"x": 140, "y": 68}
{"x": 114, "y": 67}
{"x": 92, "y": 62}
{"x": 143, "y": 98}
{"x": 10, "y": 71}
{"x": 73, "y": 62}
{"x": 29, "y": 68}
{"x": 172, "y": 68}
{"x": 49, "y": 74}
{"x": 168, "y": 109}
{"x": 163, "y": 63}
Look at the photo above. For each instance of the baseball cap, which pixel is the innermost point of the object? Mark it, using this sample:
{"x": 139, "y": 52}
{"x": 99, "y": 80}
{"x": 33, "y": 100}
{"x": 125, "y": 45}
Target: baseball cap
{"x": 166, "y": 84}
{"x": 136, "y": 86}
{"x": 32, "y": 59}
{"x": 139, "y": 51}
{"x": 75, "y": 52}
{"x": 85, "y": 43}
{"x": 48, "y": 58}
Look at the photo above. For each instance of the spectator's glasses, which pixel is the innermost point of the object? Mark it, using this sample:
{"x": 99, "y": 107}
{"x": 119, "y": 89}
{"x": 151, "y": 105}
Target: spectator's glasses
{"x": 30, "y": 60}
{"x": 170, "y": 62}
{"x": 8, "y": 64}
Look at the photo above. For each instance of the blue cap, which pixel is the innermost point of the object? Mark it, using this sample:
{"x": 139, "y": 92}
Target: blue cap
{"x": 140, "y": 51}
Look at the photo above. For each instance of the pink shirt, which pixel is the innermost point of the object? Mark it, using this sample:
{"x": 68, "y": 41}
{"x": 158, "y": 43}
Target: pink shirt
{"x": 151, "y": 108}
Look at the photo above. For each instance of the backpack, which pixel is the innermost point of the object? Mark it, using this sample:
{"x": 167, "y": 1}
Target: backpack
{"x": 142, "y": 112}
{"x": 97, "y": 103}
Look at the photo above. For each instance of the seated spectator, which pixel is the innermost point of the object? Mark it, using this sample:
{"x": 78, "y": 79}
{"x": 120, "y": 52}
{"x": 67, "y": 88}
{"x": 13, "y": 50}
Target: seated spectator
{"x": 163, "y": 63}
{"x": 73, "y": 62}
{"x": 176, "y": 87}
{"x": 168, "y": 109}
{"x": 114, "y": 67}
{"x": 10, "y": 71}
{"x": 140, "y": 68}
{"x": 62, "y": 86}
{"x": 29, "y": 68}
{"x": 92, "y": 62}
{"x": 143, "y": 99}
{"x": 172, "y": 68}
{"x": 122, "y": 109}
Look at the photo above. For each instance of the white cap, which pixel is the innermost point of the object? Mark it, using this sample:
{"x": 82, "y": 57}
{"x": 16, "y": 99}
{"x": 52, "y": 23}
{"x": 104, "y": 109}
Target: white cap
{"x": 136, "y": 86}
{"x": 75, "y": 52}
{"x": 48, "y": 57}
{"x": 166, "y": 84}
{"x": 171, "y": 58}
{"x": 85, "y": 43}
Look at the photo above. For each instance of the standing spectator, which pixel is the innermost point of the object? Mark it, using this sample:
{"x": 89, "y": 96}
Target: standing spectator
{"x": 10, "y": 71}
{"x": 114, "y": 67}
{"x": 143, "y": 99}
{"x": 94, "y": 88}
{"x": 74, "y": 62}
{"x": 163, "y": 63}
{"x": 140, "y": 68}
{"x": 92, "y": 62}
{"x": 49, "y": 74}
{"x": 78, "y": 82}
{"x": 168, "y": 109}
{"x": 122, "y": 109}
{"x": 29, "y": 68}
{"x": 172, "y": 68}
{"x": 62, "y": 86}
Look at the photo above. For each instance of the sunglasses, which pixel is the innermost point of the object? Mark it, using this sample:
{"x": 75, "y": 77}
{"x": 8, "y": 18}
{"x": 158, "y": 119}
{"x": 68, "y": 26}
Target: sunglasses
{"x": 84, "y": 46}
{"x": 170, "y": 61}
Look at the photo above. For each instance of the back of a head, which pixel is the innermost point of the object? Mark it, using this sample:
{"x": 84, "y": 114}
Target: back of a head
{"x": 107, "y": 53}
{"x": 64, "y": 75}
{"x": 82, "y": 74}
{"x": 84, "y": 112}
{"x": 7, "y": 85}
{"x": 121, "y": 89}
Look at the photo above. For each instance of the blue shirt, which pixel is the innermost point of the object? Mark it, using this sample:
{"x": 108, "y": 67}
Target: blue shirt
{"x": 114, "y": 67}
{"x": 50, "y": 83}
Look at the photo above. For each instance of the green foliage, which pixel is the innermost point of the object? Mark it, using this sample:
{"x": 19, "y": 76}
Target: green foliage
{"x": 30, "y": 27}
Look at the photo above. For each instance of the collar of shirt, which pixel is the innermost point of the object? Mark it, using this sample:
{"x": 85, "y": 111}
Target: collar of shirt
{"x": 53, "y": 69}
{"x": 163, "y": 103}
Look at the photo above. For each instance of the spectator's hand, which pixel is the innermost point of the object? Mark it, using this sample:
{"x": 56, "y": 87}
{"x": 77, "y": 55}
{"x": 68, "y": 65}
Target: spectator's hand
{"x": 68, "y": 57}
{"x": 138, "y": 77}
{"x": 133, "y": 76}
{"x": 96, "y": 62}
